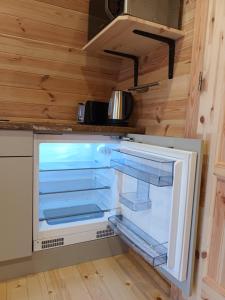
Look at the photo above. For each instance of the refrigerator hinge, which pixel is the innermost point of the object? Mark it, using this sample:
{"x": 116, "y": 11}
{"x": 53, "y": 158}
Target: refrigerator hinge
{"x": 127, "y": 139}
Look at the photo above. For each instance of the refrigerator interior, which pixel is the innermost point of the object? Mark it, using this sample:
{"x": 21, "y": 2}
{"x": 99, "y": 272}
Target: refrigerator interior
{"x": 75, "y": 182}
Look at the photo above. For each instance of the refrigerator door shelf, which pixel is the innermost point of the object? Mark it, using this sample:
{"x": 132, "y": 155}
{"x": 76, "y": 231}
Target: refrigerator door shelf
{"x": 139, "y": 200}
{"x": 146, "y": 167}
{"x": 152, "y": 251}
{"x": 134, "y": 202}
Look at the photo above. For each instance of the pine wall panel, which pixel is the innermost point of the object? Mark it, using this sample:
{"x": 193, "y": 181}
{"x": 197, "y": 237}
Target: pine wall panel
{"x": 163, "y": 108}
{"x": 43, "y": 72}
{"x": 41, "y": 63}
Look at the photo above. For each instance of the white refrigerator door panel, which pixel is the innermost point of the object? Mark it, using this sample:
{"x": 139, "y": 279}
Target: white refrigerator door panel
{"x": 188, "y": 215}
{"x": 181, "y": 216}
{"x": 174, "y": 213}
{"x": 169, "y": 220}
{"x": 154, "y": 221}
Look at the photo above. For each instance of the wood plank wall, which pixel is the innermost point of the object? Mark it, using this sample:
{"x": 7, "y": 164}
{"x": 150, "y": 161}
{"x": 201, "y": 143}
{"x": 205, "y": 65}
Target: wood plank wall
{"x": 210, "y": 275}
{"x": 216, "y": 268}
{"x": 163, "y": 109}
{"x": 43, "y": 72}
{"x": 214, "y": 125}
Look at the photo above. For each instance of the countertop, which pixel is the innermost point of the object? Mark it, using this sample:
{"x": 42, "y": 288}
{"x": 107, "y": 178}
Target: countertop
{"x": 72, "y": 127}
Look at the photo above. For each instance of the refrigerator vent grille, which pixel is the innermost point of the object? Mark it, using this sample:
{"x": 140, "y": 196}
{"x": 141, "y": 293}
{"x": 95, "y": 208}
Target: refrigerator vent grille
{"x": 105, "y": 233}
{"x": 52, "y": 243}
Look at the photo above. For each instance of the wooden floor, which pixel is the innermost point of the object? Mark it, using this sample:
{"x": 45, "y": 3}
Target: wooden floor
{"x": 124, "y": 277}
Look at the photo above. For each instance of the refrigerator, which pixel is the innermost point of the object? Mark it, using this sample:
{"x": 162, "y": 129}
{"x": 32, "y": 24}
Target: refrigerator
{"x": 144, "y": 189}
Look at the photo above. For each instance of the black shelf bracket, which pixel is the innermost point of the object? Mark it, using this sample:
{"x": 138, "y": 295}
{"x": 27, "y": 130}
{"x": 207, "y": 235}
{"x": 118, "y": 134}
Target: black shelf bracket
{"x": 129, "y": 56}
{"x": 171, "y": 43}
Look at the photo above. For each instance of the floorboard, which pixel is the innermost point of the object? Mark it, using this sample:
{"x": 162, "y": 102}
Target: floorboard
{"x": 122, "y": 277}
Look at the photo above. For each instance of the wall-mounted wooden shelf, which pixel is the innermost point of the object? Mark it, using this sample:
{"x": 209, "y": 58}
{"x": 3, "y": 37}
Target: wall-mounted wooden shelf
{"x": 132, "y": 37}
{"x": 119, "y": 36}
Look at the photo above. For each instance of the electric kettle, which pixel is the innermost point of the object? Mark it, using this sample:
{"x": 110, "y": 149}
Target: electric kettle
{"x": 120, "y": 108}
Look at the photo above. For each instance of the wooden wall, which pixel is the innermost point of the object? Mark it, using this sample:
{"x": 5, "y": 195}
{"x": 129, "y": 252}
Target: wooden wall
{"x": 163, "y": 109}
{"x": 216, "y": 268}
{"x": 43, "y": 72}
{"x": 210, "y": 274}
{"x": 213, "y": 129}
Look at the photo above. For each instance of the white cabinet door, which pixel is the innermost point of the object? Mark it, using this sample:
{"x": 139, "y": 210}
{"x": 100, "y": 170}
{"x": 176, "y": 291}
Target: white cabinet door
{"x": 15, "y": 207}
{"x": 16, "y": 143}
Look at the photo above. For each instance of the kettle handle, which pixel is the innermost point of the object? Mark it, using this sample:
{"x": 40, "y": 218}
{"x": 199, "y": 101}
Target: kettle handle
{"x": 129, "y": 104}
{"x": 108, "y": 11}
{"x": 110, "y": 109}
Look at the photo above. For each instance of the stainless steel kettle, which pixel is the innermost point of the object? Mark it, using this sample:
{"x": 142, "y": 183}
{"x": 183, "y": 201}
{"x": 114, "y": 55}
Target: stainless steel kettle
{"x": 120, "y": 108}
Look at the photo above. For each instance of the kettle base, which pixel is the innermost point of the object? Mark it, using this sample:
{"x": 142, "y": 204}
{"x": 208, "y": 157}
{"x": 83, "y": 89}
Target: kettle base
{"x": 117, "y": 123}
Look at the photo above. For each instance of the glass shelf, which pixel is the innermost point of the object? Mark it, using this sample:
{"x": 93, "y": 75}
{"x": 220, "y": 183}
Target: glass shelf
{"x": 69, "y": 166}
{"x": 152, "y": 251}
{"x": 68, "y": 186}
{"x": 148, "y": 168}
{"x": 83, "y": 200}
{"x": 76, "y": 213}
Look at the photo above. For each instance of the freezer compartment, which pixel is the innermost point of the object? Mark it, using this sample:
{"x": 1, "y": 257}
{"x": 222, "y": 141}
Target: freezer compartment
{"x": 148, "y": 168}
{"x": 151, "y": 250}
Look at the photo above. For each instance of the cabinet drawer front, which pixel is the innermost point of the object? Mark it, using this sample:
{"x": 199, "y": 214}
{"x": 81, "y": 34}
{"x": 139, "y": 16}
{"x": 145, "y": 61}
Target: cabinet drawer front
{"x": 15, "y": 207}
{"x": 16, "y": 143}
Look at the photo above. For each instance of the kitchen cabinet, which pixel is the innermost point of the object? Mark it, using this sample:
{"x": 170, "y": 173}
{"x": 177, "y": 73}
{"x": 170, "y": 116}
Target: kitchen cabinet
{"x": 16, "y": 143}
{"x": 15, "y": 194}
